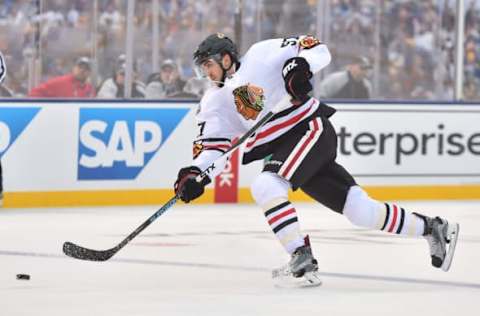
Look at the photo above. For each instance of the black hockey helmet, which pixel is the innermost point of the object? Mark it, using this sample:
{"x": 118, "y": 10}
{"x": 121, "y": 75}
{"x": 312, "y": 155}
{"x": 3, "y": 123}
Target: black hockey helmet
{"x": 215, "y": 46}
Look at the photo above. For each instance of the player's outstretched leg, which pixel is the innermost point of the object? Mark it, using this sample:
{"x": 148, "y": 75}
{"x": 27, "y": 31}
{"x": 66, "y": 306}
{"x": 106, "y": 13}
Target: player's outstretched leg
{"x": 271, "y": 193}
{"x": 366, "y": 212}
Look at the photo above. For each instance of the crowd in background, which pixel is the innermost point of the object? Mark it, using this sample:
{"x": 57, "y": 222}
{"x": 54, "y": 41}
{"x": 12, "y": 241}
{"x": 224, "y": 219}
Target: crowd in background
{"x": 417, "y": 47}
{"x": 409, "y": 44}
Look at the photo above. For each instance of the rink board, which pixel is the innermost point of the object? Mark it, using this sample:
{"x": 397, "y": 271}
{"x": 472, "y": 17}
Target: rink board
{"x": 67, "y": 153}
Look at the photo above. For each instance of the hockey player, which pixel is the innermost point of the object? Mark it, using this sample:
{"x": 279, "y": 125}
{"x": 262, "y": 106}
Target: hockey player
{"x": 300, "y": 142}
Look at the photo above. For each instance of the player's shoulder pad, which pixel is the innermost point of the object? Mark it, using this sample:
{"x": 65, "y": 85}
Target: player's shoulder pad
{"x": 212, "y": 99}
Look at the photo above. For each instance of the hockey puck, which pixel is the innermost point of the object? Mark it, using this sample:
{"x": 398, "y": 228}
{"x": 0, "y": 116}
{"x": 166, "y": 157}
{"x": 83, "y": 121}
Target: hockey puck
{"x": 23, "y": 277}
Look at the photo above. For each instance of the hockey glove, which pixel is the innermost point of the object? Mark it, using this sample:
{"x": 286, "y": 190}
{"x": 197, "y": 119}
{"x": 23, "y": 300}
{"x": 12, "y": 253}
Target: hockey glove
{"x": 296, "y": 74}
{"x": 187, "y": 187}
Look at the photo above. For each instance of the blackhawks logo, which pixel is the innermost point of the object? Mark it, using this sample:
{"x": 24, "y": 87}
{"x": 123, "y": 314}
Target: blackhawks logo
{"x": 249, "y": 100}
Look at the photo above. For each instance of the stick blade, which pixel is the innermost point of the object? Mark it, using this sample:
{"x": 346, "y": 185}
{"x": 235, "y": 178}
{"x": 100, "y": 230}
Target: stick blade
{"x": 78, "y": 252}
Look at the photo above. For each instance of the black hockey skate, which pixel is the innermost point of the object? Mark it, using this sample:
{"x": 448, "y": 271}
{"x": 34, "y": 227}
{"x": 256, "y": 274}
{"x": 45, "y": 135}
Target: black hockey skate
{"x": 442, "y": 238}
{"x": 301, "y": 271}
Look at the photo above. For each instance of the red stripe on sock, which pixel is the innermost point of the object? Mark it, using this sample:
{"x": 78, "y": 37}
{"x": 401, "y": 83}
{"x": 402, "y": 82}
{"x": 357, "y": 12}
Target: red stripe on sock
{"x": 279, "y": 216}
{"x": 394, "y": 218}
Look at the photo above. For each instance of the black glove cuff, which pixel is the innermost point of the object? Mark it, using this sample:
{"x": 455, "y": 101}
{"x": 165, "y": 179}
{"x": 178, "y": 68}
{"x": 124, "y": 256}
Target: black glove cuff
{"x": 193, "y": 170}
{"x": 296, "y": 65}
{"x": 188, "y": 170}
{"x": 296, "y": 74}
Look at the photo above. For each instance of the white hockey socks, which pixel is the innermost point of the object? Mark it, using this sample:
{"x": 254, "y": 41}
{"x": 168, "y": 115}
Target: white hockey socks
{"x": 366, "y": 212}
{"x": 271, "y": 192}
{"x": 398, "y": 221}
{"x": 282, "y": 218}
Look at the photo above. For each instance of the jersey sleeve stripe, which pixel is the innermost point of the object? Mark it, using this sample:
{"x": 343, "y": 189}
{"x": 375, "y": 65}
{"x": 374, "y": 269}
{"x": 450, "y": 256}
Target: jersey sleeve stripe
{"x": 222, "y": 148}
{"x": 212, "y": 139}
{"x": 284, "y": 125}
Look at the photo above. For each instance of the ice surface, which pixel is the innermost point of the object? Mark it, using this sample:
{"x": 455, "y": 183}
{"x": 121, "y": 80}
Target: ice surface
{"x": 217, "y": 260}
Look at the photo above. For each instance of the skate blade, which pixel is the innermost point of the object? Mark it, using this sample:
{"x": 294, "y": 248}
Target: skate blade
{"x": 309, "y": 279}
{"x": 452, "y": 235}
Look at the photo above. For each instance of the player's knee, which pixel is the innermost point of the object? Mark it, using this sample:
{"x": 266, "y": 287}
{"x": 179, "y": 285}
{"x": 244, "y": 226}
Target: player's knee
{"x": 267, "y": 187}
{"x": 360, "y": 209}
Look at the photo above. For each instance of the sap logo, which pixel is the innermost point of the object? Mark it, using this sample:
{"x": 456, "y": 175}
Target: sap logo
{"x": 116, "y": 144}
{"x": 120, "y": 146}
{"x": 13, "y": 121}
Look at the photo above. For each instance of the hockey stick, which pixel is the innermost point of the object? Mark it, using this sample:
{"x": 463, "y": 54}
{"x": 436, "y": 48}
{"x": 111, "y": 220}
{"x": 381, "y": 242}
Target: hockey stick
{"x": 79, "y": 252}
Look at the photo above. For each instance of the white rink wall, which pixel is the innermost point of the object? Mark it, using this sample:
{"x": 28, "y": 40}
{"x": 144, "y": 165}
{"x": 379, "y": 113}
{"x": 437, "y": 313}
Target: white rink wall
{"x": 49, "y": 148}
{"x": 96, "y": 145}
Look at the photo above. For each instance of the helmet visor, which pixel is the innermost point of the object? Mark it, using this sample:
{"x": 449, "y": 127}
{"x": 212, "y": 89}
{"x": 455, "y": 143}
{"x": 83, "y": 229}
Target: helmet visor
{"x": 203, "y": 65}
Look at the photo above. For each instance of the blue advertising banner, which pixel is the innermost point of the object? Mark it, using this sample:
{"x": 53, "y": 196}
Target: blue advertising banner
{"x": 13, "y": 121}
{"x": 117, "y": 143}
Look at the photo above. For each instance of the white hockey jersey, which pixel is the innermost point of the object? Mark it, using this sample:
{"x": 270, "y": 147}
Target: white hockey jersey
{"x": 217, "y": 117}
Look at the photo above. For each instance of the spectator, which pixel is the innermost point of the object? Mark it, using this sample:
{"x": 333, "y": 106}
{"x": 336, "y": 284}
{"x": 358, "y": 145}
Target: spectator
{"x": 469, "y": 90}
{"x": 5, "y": 92}
{"x": 196, "y": 86}
{"x": 407, "y": 29}
{"x": 165, "y": 83}
{"x": 114, "y": 87}
{"x": 73, "y": 85}
{"x": 351, "y": 83}
{"x": 194, "y": 89}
